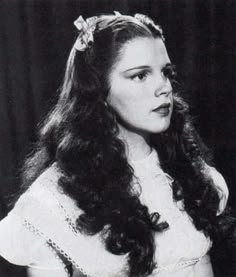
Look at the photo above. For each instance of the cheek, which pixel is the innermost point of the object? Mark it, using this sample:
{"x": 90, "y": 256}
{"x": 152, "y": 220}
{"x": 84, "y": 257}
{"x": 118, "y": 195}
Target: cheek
{"x": 122, "y": 108}
{"x": 121, "y": 102}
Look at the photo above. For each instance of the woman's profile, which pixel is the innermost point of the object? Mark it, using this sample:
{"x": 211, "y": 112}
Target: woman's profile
{"x": 120, "y": 183}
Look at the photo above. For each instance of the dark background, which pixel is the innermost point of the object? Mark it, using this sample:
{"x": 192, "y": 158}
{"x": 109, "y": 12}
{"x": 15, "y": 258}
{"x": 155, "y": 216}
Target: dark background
{"x": 35, "y": 40}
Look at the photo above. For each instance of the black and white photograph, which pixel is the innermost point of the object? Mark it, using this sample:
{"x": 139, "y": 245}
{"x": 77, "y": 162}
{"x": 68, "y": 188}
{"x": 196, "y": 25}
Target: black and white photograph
{"x": 118, "y": 138}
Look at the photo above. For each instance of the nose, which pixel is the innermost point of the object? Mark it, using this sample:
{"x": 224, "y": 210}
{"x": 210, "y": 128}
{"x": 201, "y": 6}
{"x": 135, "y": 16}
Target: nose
{"x": 163, "y": 88}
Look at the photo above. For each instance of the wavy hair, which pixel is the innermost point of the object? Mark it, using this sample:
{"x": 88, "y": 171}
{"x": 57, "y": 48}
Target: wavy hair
{"x": 80, "y": 134}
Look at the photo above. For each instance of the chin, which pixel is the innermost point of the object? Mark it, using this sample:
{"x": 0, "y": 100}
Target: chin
{"x": 161, "y": 128}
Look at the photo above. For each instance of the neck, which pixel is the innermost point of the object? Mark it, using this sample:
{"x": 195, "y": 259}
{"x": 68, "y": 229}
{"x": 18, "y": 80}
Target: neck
{"x": 136, "y": 143}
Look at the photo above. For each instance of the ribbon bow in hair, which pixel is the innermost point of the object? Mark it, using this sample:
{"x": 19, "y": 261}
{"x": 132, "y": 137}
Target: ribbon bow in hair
{"x": 86, "y": 30}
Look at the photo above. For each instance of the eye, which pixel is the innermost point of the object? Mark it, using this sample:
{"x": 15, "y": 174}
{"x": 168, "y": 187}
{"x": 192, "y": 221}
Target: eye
{"x": 139, "y": 77}
{"x": 169, "y": 71}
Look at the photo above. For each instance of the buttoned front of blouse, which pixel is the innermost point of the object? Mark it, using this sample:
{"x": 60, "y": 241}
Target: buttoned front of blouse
{"x": 181, "y": 247}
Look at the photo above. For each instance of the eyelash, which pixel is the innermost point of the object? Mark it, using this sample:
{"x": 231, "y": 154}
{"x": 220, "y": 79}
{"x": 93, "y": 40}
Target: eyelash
{"x": 169, "y": 71}
{"x": 140, "y": 74}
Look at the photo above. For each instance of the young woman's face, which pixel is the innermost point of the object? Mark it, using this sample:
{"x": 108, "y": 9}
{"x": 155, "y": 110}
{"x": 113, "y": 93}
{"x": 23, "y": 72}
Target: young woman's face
{"x": 140, "y": 93}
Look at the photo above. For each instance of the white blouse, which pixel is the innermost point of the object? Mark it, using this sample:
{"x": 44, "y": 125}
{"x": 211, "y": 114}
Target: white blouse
{"x": 40, "y": 231}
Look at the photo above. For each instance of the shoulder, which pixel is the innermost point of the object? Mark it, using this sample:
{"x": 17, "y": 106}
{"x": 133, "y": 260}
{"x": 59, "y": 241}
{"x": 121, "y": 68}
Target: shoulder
{"x": 47, "y": 195}
{"x": 47, "y": 179}
{"x": 43, "y": 188}
{"x": 39, "y": 212}
{"x": 39, "y": 192}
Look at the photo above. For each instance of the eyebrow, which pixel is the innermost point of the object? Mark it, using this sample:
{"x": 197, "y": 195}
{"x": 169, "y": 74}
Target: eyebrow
{"x": 137, "y": 67}
{"x": 145, "y": 67}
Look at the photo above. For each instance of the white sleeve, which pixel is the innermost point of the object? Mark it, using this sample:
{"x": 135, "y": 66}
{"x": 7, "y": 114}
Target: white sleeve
{"x": 12, "y": 248}
{"x": 20, "y": 246}
{"x": 34, "y": 272}
{"x": 221, "y": 187}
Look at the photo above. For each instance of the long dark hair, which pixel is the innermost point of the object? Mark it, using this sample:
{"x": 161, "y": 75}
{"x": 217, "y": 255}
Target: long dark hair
{"x": 80, "y": 134}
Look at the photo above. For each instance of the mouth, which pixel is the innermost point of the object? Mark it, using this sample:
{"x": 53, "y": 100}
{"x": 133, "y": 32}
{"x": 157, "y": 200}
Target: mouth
{"x": 163, "y": 109}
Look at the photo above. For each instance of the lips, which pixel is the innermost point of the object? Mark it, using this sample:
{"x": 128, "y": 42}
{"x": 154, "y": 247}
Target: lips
{"x": 163, "y": 109}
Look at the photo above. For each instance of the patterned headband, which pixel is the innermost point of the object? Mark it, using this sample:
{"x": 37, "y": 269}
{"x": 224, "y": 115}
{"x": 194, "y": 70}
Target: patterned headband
{"x": 87, "y": 27}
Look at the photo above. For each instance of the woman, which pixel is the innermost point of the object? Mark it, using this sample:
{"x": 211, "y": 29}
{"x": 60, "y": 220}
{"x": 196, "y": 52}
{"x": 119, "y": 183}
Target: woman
{"x": 119, "y": 184}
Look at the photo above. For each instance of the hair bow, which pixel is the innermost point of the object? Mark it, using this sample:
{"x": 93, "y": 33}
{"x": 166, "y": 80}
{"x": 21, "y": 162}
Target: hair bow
{"x": 86, "y": 30}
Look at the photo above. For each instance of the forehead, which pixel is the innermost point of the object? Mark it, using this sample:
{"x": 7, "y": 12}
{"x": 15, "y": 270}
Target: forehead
{"x": 142, "y": 51}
